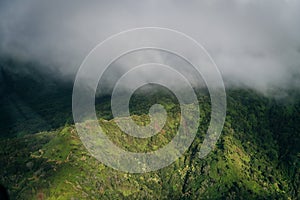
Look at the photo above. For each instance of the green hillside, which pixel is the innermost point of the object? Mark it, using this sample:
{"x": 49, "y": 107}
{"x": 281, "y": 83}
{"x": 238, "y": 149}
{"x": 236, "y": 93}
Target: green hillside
{"x": 256, "y": 157}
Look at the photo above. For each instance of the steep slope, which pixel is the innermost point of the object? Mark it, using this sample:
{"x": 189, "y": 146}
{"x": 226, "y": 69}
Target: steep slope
{"x": 32, "y": 98}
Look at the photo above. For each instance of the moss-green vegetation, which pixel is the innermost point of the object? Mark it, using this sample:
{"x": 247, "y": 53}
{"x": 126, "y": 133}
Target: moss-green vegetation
{"x": 256, "y": 157}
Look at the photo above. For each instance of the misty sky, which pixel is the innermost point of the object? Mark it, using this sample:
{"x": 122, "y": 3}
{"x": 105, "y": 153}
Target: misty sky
{"x": 254, "y": 43}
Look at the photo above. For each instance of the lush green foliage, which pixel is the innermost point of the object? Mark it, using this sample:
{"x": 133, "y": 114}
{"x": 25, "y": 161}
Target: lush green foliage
{"x": 257, "y": 156}
{"x": 41, "y": 156}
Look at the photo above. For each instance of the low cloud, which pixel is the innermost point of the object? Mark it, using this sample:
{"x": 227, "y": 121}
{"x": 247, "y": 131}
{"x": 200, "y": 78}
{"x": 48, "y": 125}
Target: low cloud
{"x": 254, "y": 43}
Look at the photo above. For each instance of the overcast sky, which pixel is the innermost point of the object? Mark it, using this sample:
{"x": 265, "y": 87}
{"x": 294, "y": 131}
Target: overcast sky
{"x": 253, "y": 42}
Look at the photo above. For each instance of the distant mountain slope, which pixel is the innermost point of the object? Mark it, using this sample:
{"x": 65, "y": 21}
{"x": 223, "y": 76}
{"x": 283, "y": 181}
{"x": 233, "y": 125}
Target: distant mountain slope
{"x": 32, "y": 98}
